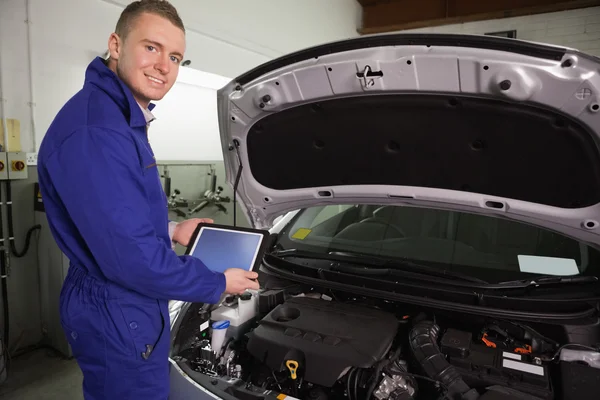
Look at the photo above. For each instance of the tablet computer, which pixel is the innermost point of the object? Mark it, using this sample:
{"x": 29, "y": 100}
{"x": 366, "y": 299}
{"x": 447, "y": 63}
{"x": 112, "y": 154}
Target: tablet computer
{"x": 221, "y": 247}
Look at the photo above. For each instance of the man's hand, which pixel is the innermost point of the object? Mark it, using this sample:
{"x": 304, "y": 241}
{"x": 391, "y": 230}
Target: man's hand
{"x": 238, "y": 280}
{"x": 184, "y": 230}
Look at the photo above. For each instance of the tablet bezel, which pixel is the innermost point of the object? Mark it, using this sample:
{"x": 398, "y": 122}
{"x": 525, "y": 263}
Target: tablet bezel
{"x": 264, "y": 244}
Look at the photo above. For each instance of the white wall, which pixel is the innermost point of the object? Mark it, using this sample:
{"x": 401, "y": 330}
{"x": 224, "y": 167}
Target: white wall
{"x": 578, "y": 29}
{"x": 186, "y": 126}
{"x": 225, "y": 37}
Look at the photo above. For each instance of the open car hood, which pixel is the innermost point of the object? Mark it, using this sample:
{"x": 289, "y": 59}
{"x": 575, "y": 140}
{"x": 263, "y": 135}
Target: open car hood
{"x": 469, "y": 123}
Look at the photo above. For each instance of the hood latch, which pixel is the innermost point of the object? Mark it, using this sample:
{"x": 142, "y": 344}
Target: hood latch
{"x": 368, "y": 76}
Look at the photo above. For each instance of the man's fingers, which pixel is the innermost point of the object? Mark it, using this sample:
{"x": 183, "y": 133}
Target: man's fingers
{"x": 239, "y": 280}
{"x": 253, "y": 285}
{"x": 251, "y": 275}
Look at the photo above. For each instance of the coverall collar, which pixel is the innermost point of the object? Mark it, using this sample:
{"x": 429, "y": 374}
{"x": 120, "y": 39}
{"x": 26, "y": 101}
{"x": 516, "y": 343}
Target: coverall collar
{"x": 148, "y": 116}
{"x": 99, "y": 75}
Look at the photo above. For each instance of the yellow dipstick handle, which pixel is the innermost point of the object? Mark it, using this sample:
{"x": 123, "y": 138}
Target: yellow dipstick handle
{"x": 292, "y": 366}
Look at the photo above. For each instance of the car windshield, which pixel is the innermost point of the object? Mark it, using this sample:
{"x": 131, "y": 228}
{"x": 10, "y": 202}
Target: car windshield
{"x": 486, "y": 247}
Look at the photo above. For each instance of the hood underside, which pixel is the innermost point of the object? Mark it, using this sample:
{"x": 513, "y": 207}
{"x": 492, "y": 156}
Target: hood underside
{"x": 469, "y": 123}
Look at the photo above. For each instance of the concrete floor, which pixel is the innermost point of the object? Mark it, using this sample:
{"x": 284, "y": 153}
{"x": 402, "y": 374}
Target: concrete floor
{"x": 42, "y": 375}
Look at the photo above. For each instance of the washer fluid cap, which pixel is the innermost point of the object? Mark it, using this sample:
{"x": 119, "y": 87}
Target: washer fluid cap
{"x": 246, "y": 296}
{"x": 220, "y": 325}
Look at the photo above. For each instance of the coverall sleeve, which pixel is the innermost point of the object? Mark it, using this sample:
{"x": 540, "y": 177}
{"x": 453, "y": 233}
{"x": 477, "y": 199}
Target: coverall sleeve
{"x": 98, "y": 175}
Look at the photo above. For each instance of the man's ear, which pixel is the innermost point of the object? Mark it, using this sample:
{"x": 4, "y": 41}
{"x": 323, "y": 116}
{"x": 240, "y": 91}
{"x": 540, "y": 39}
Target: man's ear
{"x": 114, "y": 46}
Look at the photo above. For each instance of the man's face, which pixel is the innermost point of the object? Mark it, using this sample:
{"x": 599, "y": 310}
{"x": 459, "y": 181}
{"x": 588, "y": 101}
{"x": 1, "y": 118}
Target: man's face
{"x": 149, "y": 58}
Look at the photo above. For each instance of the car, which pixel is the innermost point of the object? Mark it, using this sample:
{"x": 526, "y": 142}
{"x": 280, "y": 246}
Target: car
{"x": 434, "y": 217}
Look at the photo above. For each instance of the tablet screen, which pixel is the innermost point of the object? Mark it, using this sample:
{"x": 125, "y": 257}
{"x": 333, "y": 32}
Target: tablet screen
{"x": 220, "y": 249}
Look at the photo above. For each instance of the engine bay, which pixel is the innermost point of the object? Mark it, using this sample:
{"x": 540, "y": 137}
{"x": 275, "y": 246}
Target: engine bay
{"x": 299, "y": 343}
{"x": 324, "y": 338}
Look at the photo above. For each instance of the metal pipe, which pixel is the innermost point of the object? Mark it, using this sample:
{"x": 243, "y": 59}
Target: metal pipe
{"x": 167, "y": 177}
{"x": 198, "y": 207}
{"x": 31, "y": 79}
{"x": 4, "y": 258}
{"x": 2, "y": 109}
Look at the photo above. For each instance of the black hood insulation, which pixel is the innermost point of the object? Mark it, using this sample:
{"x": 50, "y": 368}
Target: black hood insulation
{"x": 482, "y": 145}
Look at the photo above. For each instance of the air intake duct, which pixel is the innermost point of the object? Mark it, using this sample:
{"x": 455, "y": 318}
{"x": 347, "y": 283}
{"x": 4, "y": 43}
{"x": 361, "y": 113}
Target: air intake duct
{"x": 423, "y": 343}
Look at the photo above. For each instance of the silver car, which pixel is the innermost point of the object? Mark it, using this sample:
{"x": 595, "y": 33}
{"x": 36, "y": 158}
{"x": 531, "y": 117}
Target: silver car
{"x": 434, "y": 209}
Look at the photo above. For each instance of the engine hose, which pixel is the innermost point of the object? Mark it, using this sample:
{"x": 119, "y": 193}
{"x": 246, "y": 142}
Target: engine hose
{"x": 400, "y": 368}
{"x": 380, "y": 367}
{"x": 376, "y": 376}
{"x": 423, "y": 342}
{"x": 351, "y": 377}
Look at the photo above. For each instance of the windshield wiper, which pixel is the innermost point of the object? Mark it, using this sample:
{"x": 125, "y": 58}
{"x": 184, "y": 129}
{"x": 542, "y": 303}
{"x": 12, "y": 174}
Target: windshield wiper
{"x": 379, "y": 265}
{"x": 544, "y": 280}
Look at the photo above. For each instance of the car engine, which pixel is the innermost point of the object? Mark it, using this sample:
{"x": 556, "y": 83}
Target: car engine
{"x": 314, "y": 346}
{"x": 323, "y": 339}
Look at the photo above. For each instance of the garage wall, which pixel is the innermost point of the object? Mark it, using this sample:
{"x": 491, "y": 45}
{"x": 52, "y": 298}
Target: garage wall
{"x": 578, "y": 29}
{"x": 224, "y": 37}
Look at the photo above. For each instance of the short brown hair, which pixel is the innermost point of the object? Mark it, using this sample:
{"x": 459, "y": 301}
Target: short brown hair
{"x": 161, "y": 8}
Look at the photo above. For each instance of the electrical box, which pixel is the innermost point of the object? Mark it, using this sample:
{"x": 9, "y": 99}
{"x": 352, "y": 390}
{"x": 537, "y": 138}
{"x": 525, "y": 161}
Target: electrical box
{"x": 13, "y": 135}
{"x": 3, "y": 167}
{"x": 17, "y": 165}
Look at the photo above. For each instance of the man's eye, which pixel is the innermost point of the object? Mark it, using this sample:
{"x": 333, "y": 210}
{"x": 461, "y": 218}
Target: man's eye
{"x": 175, "y": 60}
{"x": 150, "y": 48}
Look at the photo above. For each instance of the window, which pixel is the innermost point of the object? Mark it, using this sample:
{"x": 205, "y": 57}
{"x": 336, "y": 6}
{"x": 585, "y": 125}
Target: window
{"x": 328, "y": 212}
{"x": 483, "y": 245}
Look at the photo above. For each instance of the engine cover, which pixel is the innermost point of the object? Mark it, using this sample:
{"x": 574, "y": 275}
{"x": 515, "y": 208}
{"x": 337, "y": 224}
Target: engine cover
{"x": 324, "y": 337}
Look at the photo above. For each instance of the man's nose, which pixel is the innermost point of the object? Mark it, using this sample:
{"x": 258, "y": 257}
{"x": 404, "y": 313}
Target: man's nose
{"x": 163, "y": 65}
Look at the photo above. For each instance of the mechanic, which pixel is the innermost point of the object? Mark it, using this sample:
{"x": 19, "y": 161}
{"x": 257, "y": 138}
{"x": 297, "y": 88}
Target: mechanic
{"x": 108, "y": 213}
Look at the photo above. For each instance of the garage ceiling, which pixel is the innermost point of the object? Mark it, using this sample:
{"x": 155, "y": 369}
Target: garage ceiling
{"x": 395, "y": 15}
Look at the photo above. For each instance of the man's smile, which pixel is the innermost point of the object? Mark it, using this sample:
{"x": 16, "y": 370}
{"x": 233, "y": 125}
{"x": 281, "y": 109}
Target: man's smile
{"x": 156, "y": 80}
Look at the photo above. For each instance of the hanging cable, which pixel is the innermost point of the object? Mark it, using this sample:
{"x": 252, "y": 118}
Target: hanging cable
{"x": 5, "y": 358}
{"x": 11, "y": 235}
{"x": 237, "y": 179}
{"x": 22, "y": 253}
{"x": 4, "y": 271}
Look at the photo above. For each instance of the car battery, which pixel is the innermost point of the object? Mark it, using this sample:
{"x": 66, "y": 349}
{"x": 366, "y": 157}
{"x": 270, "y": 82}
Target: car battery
{"x": 482, "y": 366}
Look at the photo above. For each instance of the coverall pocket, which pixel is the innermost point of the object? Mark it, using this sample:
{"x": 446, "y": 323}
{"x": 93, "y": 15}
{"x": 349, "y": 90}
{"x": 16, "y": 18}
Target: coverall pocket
{"x": 146, "y": 326}
{"x": 89, "y": 349}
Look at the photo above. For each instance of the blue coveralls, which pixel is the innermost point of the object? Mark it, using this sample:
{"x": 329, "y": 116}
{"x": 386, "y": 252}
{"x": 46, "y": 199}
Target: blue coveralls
{"x": 108, "y": 213}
